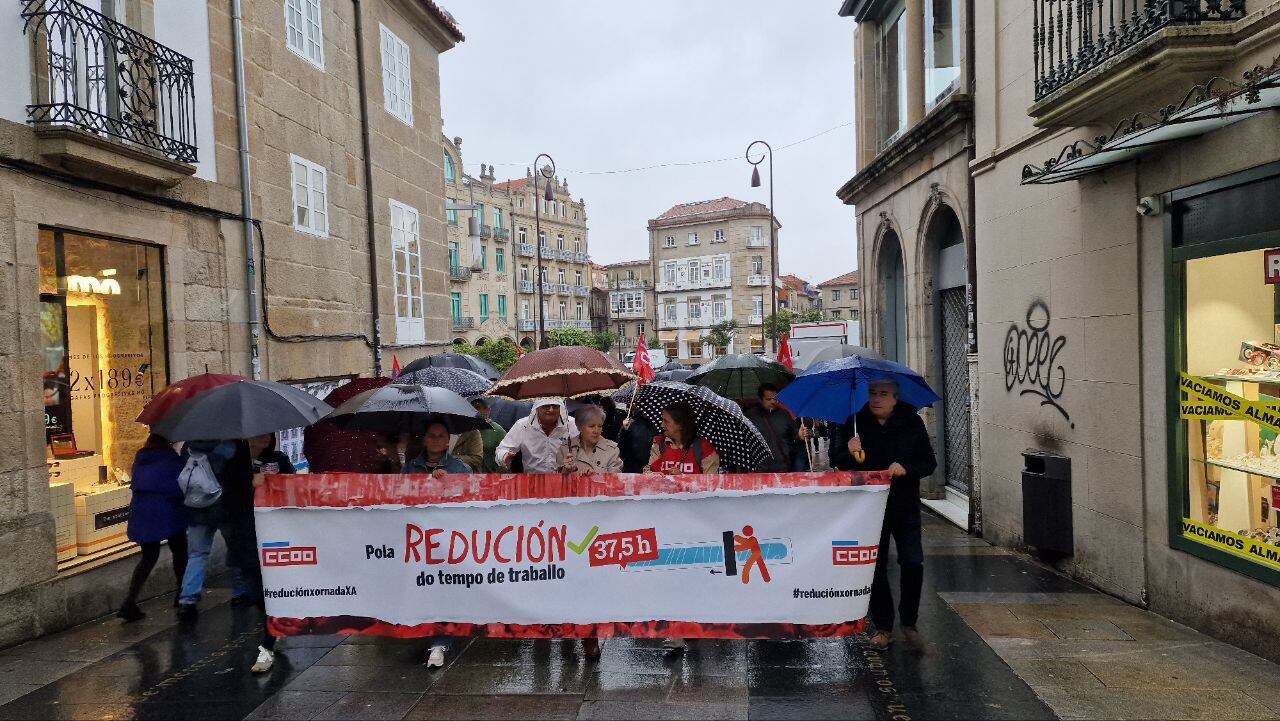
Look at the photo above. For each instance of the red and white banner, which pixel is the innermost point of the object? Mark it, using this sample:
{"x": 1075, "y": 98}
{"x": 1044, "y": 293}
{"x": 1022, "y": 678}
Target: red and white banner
{"x": 728, "y": 556}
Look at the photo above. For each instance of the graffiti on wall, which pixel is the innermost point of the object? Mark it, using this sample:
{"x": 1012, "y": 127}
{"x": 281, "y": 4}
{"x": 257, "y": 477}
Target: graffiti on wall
{"x": 1031, "y": 362}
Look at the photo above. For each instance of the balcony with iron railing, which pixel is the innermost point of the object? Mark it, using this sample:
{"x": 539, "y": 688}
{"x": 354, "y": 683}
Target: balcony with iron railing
{"x": 101, "y": 85}
{"x": 627, "y": 313}
{"x": 486, "y": 231}
{"x": 564, "y": 289}
{"x": 634, "y": 284}
{"x": 459, "y": 273}
{"x": 582, "y": 290}
{"x": 548, "y": 288}
{"x": 525, "y": 250}
{"x": 581, "y": 257}
{"x": 1092, "y": 56}
{"x": 501, "y": 233}
{"x": 462, "y": 322}
{"x": 757, "y": 280}
{"x": 526, "y": 286}
{"x": 547, "y": 252}
{"x": 762, "y": 242}
{"x": 527, "y": 324}
{"x": 698, "y": 284}
{"x": 755, "y": 319}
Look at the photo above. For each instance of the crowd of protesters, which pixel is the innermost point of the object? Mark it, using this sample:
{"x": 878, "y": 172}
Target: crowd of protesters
{"x": 597, "y": 437}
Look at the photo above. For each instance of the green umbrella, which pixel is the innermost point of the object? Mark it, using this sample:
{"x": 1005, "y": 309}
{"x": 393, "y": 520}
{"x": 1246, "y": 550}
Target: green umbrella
{"x": 740, "y": 375}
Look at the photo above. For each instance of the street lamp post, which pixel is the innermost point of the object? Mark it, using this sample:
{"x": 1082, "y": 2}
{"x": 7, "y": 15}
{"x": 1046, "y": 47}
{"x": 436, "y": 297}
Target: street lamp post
{"x": 537, "y": 229}
{"x": 773, "y": 232}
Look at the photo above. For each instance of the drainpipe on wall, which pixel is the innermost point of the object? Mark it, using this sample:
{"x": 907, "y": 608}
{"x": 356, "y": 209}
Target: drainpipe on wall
{"x": 246, "y": 193}
{"x": 971, "y": 267}
{"x": 371, "y": 225}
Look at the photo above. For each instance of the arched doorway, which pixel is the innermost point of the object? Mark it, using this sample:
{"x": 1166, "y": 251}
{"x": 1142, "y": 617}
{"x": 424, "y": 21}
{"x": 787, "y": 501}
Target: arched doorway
{"x": 945, "y": 254}
{"x": 893, "y": 299}
{"x": 481, "y": 341}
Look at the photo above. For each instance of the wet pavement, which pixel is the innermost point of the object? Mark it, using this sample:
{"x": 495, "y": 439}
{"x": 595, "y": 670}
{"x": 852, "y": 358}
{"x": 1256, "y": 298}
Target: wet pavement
{"x": 1006, "y": 640}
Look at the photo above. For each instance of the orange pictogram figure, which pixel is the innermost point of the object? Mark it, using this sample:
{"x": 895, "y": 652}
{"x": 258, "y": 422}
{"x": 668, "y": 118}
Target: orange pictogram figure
{"x": 755, "y": 557}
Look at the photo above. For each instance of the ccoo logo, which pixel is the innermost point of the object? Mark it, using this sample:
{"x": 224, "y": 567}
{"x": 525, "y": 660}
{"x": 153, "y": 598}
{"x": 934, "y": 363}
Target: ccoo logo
{"x": 849, "y": 553}
{"x": 280, "y": 553}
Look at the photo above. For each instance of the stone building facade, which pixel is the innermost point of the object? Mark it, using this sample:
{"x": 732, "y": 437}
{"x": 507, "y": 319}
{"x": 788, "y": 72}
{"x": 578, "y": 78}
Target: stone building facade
{"x": 561, "y": 294}
{"x": 1131, "y": 244}
{"x": 482, "y": 295}
{"x": 797, "y": 294}
{"x": 711, "y": 262}
{"x": 126, "y": 261}
{"x": 842, "y": 297}
{"x": 912, "y": 191}
{"x": 631, "y": 303}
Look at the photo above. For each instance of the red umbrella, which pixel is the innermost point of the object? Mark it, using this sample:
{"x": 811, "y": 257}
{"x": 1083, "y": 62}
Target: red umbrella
{"x": 184, "y": 390}
{"x": 562, "y": 372}
{"x": 330, "y": 449}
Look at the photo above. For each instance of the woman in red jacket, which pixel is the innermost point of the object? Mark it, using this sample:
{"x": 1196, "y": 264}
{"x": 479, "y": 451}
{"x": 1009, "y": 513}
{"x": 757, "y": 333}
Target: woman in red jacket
{"x": 679, "y": 449}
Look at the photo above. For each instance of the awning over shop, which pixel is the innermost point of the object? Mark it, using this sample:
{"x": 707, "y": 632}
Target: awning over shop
{"x": 1205, "y": 108}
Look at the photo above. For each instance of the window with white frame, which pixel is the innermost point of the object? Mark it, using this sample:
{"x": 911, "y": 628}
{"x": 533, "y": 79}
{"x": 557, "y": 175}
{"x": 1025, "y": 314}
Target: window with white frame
{"x": 577, "y": 245}
{"x": 718, "y": 309}
{"x": 302, "y": 29}
{"x": 564, "y": 310}
{"x": 577, "y": 277}
{"x": 578, "y": 310}
{"x": 560, "y": 276}
{"x": 720, "y": 268}
{"x": 310, "y": 197}
{"x": 757, "y": 264}
{"x": 757, "y": 305}
{"x": 524, "y": 310}
{"x": 542, "y": 238}
{"x": 524, "y": 235}
{"x": 757, "y": 233}
{"x": 693, "y": 239}
{"x": 520, "y": 202}
{"x": 695, "y": 308}
{"x": 670, "y": 241}
{"x": 693, "y": 271}
{"x": 397, "y": 85}
{"x": 564, "y": 211}
{"x": 670, "y": 309}
{"x": 695, "y": 349}
{"x": 406, "y": 257}
{"x": 542, "y": 275}
{"x": 719, "y": 236}
{"x": 560, "y": 241}
{"x": 669, "y": 272}
{"x": 524, "y": 273}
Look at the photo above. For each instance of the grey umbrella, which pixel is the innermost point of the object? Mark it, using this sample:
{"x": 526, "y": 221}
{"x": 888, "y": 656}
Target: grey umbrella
{"x": 462, "y": 381}
{"x": 241, "y": 410}
{"x": 455, "y": 360}
{"x": 836, "y": 352}
{"x": 675, "y": 374}
{"x": 399, "y": 408}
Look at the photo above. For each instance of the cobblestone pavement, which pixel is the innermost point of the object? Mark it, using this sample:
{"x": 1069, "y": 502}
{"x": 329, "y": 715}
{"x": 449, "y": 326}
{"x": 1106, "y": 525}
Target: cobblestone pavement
{"x": 1006, "y": 640}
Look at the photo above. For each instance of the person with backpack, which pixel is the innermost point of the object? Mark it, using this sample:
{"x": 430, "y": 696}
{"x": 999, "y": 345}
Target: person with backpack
{"x": 156, "y": 514}
{"x": 201, "y": 484}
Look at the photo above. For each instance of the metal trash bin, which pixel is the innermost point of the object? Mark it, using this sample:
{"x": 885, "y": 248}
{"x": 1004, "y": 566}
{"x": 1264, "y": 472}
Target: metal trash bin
{"x": 1046, "y": 502}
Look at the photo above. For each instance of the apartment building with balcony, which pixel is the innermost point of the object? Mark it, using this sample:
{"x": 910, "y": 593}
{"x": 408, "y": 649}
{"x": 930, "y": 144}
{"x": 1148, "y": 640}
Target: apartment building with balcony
{"x": 711, "y": 262}
{"x": 631, "y": 303}
{"x": 599, "y": 310}
{"x": 482, "y": 275}
{"x": 842, "y": 297}
{"x": 797, "y": 294}
{"x": 912, "y": 192}
{"x": 552, "y": 271}
{"x": 1126, "y": 169}
{"x": 127, "y": 264}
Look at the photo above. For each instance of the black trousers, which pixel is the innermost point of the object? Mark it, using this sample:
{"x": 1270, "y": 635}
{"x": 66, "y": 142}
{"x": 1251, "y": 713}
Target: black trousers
{"x": 903, "y": 525}
{"x": 147, "y": 563}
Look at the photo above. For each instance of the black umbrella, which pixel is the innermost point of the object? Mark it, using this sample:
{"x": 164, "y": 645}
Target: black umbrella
{"x": 720, "y": 421}
{"x": 675, "y": 374}
{"x": 462, "y": 381}
{"x": 241, "y": 410}
{"x": 455, "y": 360}
{"x": 740, "y": 375}
{"x": 505, "y": 412}
{"x": 673, "y": 366}
{"x": 398, "y": 408}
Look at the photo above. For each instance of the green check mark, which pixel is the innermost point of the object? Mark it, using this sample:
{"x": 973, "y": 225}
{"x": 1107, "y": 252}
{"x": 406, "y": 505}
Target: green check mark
{"x": 578, "y": 548}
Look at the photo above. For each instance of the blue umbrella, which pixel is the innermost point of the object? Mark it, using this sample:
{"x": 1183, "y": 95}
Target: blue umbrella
{"x": 833, "y": 390}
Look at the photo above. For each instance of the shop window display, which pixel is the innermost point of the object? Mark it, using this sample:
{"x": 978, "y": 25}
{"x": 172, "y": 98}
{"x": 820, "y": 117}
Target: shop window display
{"x": 1229, "y": 400}
{"x": 103, "y": 338}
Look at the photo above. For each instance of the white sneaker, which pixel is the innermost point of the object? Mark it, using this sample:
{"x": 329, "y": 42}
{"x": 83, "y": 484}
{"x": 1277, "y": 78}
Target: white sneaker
{"x": 266, "y": 659}
{"x": 673, "y": 644}
{"x": 436, "y": 658}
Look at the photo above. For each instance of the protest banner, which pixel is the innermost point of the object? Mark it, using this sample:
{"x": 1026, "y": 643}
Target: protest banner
{"x": 563, "y": 556}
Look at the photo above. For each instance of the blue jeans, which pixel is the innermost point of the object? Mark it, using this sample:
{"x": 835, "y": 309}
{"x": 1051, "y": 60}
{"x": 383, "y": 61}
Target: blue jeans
{"x": 199, "y": 545}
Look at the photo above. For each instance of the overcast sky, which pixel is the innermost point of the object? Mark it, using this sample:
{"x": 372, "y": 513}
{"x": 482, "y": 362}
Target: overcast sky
{"x": 606, "y": 86}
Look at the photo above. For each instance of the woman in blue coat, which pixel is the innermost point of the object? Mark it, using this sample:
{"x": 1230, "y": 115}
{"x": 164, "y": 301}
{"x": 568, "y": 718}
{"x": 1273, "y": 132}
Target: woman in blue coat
{"x": 156, "y": 514}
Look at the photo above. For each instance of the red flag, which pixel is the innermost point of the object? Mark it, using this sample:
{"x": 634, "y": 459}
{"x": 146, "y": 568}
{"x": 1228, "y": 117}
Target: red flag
{"x": 395, "y": 367}
{"x": 784, "y": 353}
{"x": 640, "y": 364}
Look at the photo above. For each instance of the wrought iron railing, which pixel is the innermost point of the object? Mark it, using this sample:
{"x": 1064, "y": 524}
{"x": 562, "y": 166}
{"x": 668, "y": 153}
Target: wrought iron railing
{"x": 101, "y": 76}
{"x": 462, "y": 322}
{"x": 1072, "y": 37}
{"x": 459, "y": 272}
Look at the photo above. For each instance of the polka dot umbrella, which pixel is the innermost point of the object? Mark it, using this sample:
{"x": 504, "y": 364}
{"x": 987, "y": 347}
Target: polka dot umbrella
{"x": 462, "y": 381}
{"x": 720, "y": 421}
